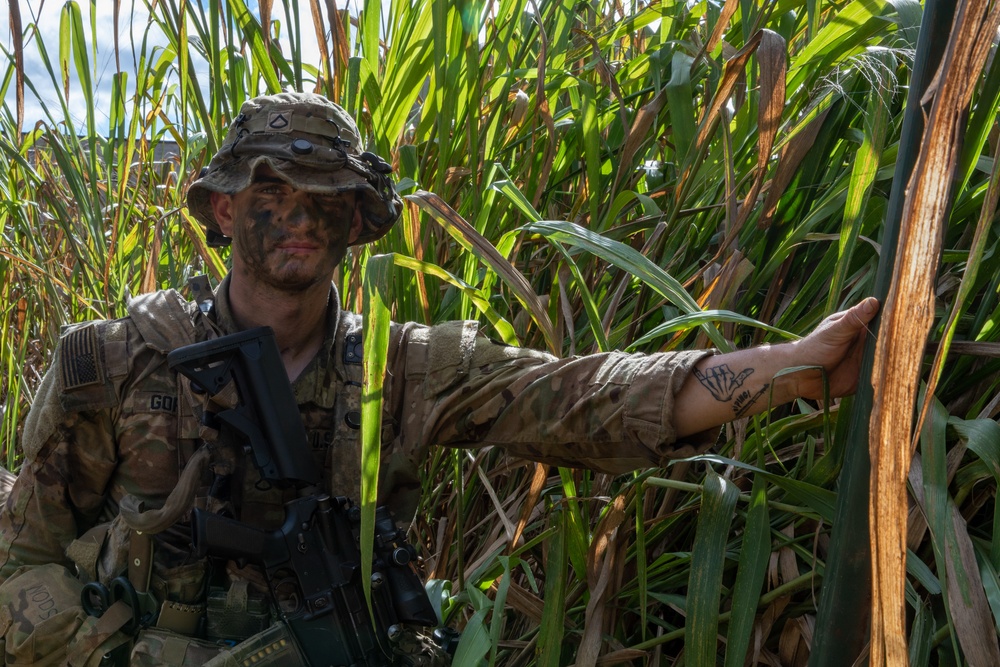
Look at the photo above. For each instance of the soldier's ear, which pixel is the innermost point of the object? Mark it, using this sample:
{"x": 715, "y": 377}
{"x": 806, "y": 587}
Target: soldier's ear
{"x": 357, "y": 224}
{"x": 222, "y": 207}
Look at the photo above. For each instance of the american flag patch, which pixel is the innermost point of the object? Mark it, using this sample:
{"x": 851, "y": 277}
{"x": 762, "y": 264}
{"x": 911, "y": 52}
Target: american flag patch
{"x": 81, "y": 361}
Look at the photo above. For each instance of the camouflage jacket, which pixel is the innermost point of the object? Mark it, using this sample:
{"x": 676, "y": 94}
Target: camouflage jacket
{"x": 111, "y": 420}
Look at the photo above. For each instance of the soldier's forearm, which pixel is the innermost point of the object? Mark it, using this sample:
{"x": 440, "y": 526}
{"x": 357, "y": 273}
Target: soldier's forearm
{"x": 729, "y": 386}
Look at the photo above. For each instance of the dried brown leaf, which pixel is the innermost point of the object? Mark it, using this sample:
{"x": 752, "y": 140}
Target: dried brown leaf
{"x": 789, "y": 159}
{"x": 970, "y": 610}
{"x": 771, "y": 56}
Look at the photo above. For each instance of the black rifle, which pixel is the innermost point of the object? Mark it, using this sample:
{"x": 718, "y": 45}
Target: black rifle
{"x": 317, "y": 546}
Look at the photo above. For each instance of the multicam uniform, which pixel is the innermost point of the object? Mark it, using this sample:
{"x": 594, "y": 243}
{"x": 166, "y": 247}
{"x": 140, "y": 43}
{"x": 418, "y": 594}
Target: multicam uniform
{"x": 111, "y": 421}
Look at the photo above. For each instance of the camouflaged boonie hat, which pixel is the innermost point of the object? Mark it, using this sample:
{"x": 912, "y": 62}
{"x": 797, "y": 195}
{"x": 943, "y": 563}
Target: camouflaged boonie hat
{"x": 308, "y": 141}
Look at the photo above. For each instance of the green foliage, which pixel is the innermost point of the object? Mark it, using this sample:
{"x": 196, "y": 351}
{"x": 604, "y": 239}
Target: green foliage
{"x": 604, "y": 176}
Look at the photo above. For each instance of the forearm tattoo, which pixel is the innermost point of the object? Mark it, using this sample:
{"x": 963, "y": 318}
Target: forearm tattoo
{"x": 745, "y": 400}
{"x": 723, "y": 384}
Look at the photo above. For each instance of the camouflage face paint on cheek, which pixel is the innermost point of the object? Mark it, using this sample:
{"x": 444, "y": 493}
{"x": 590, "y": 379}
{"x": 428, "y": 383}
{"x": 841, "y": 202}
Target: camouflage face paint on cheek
{"x": 253, "y": 239}
{"x": 337, "y": 216}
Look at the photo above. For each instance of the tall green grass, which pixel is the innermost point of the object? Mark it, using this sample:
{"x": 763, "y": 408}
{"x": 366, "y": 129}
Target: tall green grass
{"x": 579, "y": 177}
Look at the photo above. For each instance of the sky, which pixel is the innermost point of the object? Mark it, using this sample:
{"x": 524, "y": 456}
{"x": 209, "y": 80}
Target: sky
{"x": 46, "y": 15}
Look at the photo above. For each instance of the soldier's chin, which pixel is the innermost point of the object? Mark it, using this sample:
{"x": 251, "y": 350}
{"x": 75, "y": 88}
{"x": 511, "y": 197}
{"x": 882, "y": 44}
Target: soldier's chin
{"x": 294, "y": 284}
{"x": 290, "y": 280}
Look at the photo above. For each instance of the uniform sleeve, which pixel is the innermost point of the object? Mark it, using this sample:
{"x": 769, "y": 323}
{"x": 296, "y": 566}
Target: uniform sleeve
{"x": 68, "y": 459}
{"x": 610, "y": 412}
{"x": 68, "y": 446}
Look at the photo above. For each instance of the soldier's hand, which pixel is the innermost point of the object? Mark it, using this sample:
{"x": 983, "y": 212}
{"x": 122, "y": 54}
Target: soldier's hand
{"x": 836, "y": 345}
{"x": 745, "y": 382}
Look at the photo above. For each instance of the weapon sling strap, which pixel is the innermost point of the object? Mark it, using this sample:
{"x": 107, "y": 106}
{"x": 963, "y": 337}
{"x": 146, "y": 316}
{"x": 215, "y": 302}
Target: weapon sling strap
{"x": 110, "y": 622}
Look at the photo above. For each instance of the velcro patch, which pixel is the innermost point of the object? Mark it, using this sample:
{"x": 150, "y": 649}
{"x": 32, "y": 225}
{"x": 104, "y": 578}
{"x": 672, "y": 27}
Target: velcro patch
{"x": 151, "y": 401}
{"x": 449, "y": 353}
{"x": 279, "y": 121}
{"x": 81, "y": 358}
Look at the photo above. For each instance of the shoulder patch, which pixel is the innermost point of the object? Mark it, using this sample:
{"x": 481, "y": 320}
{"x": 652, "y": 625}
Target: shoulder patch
{"x": 449, "y": 353}
{"x": 82, "y": 368}
{"x": 80, "y": 362}
{"x": 491, "y": 352}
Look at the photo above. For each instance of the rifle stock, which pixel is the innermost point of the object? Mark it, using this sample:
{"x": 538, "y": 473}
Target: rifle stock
{"x": 267, "y": 414}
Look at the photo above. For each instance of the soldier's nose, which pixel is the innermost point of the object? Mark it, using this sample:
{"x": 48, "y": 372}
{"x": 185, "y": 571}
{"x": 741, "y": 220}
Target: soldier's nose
{"x": 298, "y": 217}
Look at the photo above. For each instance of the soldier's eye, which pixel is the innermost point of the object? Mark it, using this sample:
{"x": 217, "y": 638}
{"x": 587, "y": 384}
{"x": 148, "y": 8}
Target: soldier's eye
{"x": 330, "y": 200}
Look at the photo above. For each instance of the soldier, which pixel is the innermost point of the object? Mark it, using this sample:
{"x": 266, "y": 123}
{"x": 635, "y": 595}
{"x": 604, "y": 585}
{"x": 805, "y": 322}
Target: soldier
{"x": 114, "y": 432}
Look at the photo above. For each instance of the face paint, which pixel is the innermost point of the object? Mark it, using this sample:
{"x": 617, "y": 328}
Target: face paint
{"x": 290, "y": 239}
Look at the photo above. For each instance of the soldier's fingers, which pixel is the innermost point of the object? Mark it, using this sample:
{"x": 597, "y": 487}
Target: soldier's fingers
{"x": 865, "y": 311}
{"x": 857, "y": 316}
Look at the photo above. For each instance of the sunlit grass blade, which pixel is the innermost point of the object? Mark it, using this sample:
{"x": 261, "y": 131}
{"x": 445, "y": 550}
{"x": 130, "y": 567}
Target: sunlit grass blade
{"x": 842, "y": 37}
{"x": 865, "y": 167}
{"x": 704, "y": 317}
{"x": 750, "y": 575}
{"x": 707, "y": 562}
{"x": 377, "y": 296}
{"x": 503, "y": 327}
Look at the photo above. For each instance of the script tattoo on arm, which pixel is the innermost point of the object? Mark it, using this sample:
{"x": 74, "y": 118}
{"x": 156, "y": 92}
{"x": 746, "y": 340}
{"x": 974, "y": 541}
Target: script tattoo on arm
{"x": 723, "y": 384}
{"x": 745, "y": 400}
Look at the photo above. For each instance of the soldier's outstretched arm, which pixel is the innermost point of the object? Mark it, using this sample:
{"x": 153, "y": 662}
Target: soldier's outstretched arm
{"x": 742, "y": 383}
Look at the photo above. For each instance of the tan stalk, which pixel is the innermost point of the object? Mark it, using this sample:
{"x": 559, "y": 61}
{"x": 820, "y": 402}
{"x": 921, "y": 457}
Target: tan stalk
{"x": 789, "y": 159}
{"x": 906, "y": 320}
{"x": 324, "y": 48}
{"x": 725, "y": 16}
{"x": 602, "y": 561}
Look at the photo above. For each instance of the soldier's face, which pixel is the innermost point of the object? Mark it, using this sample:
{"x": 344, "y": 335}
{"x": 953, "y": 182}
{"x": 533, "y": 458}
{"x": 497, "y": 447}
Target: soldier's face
{"x": 284, "y": 237}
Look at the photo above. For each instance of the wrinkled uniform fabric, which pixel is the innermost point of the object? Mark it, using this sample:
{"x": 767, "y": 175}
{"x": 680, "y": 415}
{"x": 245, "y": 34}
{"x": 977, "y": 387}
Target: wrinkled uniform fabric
{"x": 111, "y": 419}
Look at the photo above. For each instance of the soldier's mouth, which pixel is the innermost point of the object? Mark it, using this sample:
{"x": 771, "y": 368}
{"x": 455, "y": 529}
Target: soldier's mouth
{"x": 296, "y": 247}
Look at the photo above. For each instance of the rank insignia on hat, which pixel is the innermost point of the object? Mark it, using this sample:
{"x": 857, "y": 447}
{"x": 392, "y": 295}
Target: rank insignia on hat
{"x": 81, "y": 360}
{"x": 279, "y": 121}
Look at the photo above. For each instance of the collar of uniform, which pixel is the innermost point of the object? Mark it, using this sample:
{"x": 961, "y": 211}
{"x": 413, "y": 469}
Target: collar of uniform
{"x": 222, "y": 313}
{"x": 312, "y": 384}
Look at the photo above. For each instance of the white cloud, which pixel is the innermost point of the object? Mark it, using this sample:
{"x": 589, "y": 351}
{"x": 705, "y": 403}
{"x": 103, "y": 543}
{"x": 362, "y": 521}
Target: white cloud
{"x": 46, "y": 17}
{"x": 133, "y": 27}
